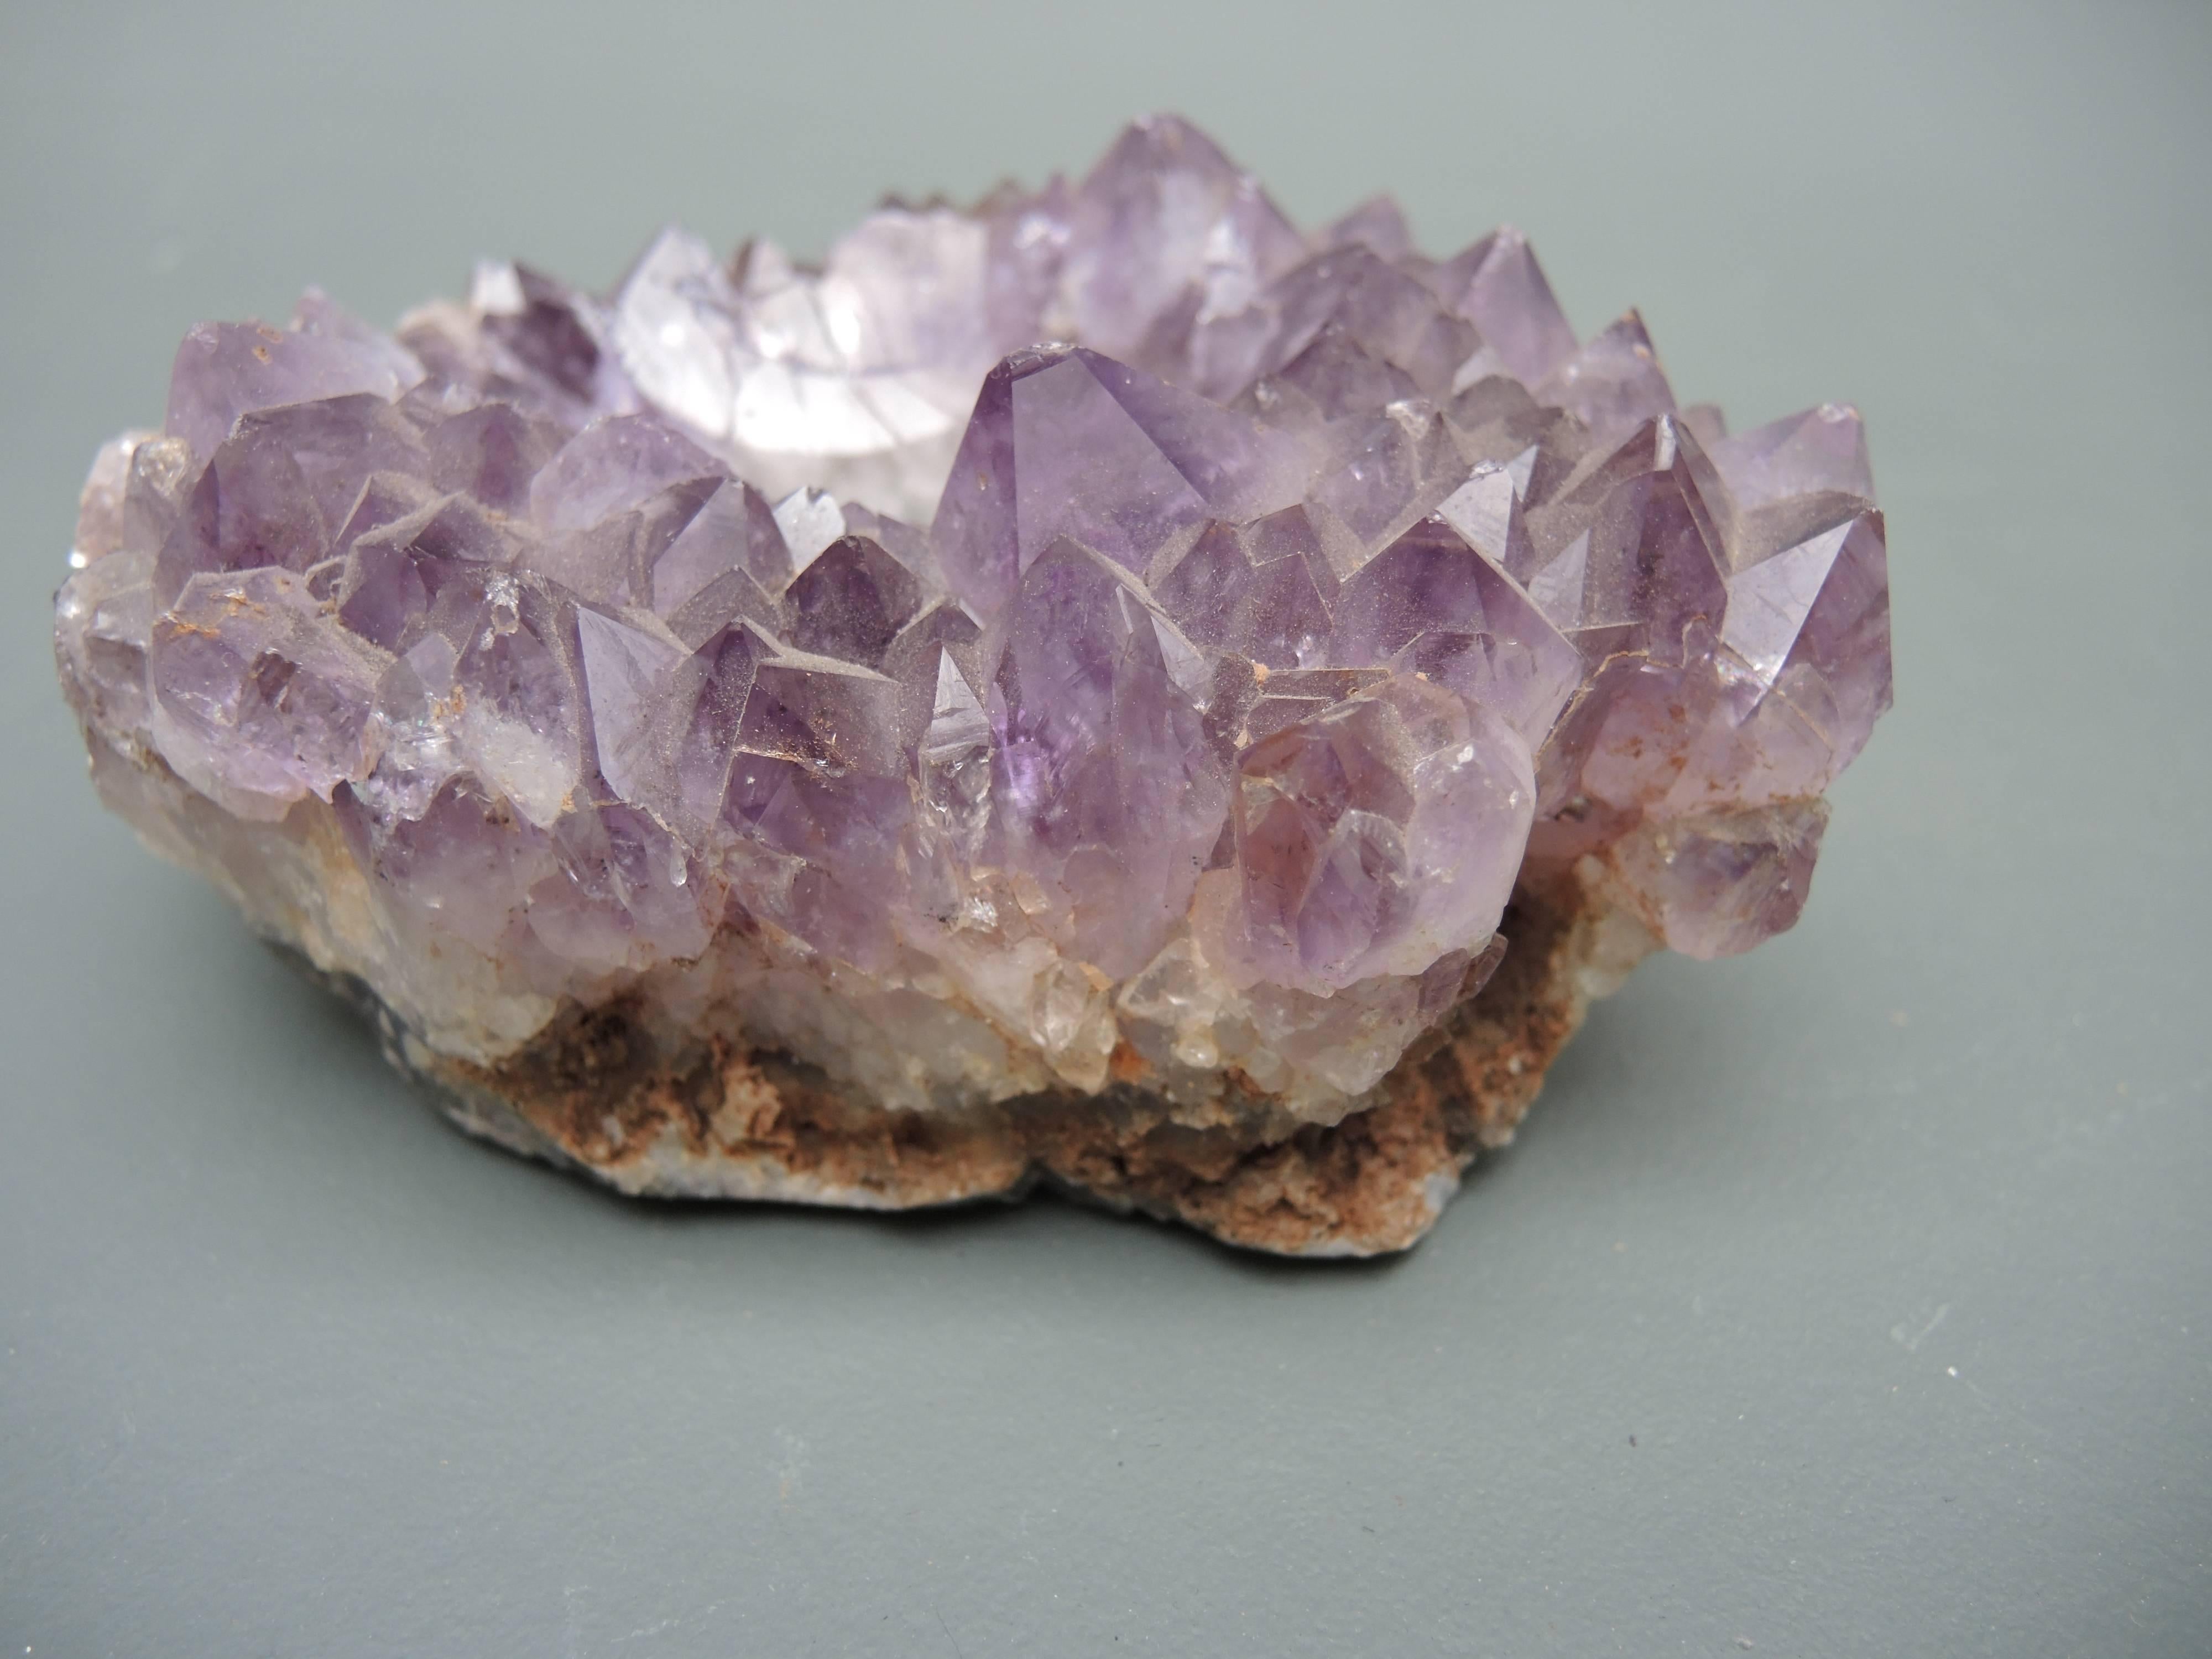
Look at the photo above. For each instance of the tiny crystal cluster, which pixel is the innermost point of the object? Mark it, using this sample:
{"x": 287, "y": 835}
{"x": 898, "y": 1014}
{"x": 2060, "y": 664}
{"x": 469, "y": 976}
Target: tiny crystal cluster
{"x": 1106, "y": 637}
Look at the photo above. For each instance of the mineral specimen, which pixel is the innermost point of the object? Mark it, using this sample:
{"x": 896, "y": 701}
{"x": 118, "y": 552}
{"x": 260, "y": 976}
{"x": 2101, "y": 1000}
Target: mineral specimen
{"x": 1102, "y": 685}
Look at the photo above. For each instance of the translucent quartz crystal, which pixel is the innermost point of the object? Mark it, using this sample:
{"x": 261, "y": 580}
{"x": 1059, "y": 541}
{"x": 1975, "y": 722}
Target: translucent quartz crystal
{"x": 1105, "y": 644}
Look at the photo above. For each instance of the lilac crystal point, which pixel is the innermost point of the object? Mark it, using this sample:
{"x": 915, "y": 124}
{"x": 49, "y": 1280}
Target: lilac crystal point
{"x": 611, "y": 466}
{"x": 1378, "y": 223}
{"x": 1818, "y": 452}
{"x": 1083, "y": 466}
{"x": 1642, "y": 558}
{"x": 697, "y": 731}
{"x": 1498, "y": 287}
{"x": 1098, "y": 684}
{"x": 1358, "y": 297}
{"x": 224, "y": 370}
{"x": 520, "y": 725}
{"x": 393, "y": 572}
{"x": 976, "y": 532}
{"x": 628, "y": 668}
{"x": 733, "y": 533}
{"x": 1612, "y": 383}
{"x": 490, "y": 453}
{"x": 1067, "y": 442}
{"x": 851, "y": 601}
{"x": 1254, "y": 590}
{"x": 1346, "y": 822}
{"x": 1476, "y": 629}
{"x": 1107, "y": 790}
{"x": 1716, "y": 886}
{"x": 1166, "y": 231}
{"x": 1806, "y": 661}
{"x": 251, "y": 696}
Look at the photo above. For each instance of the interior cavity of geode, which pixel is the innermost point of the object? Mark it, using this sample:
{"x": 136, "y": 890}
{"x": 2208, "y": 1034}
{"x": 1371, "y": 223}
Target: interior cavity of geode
{"x": 1103, "y": 639}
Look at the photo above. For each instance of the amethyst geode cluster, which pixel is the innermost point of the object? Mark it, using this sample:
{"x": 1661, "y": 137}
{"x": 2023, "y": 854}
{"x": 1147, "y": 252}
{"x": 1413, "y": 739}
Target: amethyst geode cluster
{"x": 1102, "y": 685}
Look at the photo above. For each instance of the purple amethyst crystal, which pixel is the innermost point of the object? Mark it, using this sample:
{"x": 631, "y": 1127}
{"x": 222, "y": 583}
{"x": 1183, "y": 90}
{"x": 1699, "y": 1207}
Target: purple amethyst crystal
{"x": 1092, "y": 684}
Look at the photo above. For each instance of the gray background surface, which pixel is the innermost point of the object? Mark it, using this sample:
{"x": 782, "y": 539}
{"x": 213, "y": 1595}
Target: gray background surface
{"x": 1849, "y": 1297}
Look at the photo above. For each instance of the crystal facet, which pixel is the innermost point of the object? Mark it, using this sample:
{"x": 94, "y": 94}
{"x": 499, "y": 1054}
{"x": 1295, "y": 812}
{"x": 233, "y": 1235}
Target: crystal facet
{"x": 1101, "y": 684}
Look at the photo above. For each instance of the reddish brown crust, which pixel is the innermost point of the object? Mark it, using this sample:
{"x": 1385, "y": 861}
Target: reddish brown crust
{"x": 589, "y": 1091}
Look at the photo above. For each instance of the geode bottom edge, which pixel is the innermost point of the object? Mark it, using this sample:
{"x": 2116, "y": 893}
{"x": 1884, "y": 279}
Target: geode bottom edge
{"x": 659, "y": 1099}
{"x": 600, "y": 1091}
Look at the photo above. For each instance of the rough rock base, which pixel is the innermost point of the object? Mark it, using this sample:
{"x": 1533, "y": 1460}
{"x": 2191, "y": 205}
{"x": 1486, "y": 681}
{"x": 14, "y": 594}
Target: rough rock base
{"x": 705, "y": 1116}
{"x": 722, "y": 1123}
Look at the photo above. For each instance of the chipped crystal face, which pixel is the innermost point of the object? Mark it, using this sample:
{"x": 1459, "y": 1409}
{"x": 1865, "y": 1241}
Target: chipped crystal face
{"x": 1104, "y": 632}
